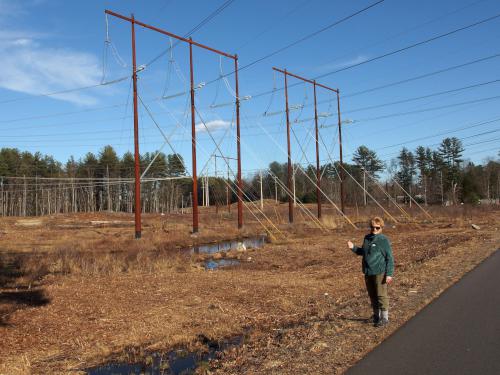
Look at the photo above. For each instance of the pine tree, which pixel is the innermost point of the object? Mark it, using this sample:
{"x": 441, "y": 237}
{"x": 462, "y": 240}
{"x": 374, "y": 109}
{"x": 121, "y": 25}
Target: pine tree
{"x": 175, "y": 165}
{"x": 367, "y": 159}
{"x": 451, "y": 150}
{"x": 424, "y": 160}
{"x": 406, "y": 169}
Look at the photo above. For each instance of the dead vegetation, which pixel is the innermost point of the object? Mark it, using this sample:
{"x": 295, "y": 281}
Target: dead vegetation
{"x": 72, "y": 298}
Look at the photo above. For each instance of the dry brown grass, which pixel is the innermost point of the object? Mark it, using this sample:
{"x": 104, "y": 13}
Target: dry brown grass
{"x": 94, "y": 294}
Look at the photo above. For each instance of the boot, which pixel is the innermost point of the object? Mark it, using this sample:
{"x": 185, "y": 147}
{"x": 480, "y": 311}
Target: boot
{"x": 384, "y": 319}
{"x": 376, "y": 316}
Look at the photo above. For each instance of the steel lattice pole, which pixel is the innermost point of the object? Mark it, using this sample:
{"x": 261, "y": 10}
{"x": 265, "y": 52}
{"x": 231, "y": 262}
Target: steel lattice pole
{"x": 137, "y": 169}
{"x": 289, "y": 182}
{"x": 193, "y": 141}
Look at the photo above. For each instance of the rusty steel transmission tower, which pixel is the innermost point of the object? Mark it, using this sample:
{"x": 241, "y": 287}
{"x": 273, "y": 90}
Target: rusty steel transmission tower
{"x": 318, "y": 175}
{"x": 191, "y": 43}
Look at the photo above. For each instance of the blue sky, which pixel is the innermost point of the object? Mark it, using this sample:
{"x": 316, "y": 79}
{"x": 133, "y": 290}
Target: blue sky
{"x": 50, "y": 46}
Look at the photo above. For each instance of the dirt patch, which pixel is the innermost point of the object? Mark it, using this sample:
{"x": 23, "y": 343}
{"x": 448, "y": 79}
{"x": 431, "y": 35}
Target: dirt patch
{"x": 29, "y": 223}
{"x": 298, "y": 301}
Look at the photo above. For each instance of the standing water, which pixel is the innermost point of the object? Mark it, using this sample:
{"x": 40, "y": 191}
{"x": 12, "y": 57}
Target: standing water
{"x": 224, "y": 246}
{"x": 248, "y": 243}
{"x": 177, "y": 362}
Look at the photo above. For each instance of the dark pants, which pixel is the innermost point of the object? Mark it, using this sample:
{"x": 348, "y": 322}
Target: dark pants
{"x": 377, "y": 290}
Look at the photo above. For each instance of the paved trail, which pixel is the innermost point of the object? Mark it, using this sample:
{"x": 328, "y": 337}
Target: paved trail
{"x": 459, "y": 333}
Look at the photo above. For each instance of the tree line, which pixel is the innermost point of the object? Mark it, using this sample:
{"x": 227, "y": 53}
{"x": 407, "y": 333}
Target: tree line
{"x": 428, "y": 176}
{"x": 34, "y": 184}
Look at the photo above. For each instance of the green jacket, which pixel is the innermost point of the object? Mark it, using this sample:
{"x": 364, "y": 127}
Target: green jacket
{"x": 377, "y": 255}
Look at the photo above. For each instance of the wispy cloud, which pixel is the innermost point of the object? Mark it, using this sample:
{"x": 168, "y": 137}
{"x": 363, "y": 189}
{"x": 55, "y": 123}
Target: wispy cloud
{"x": 31, "y": 68}
{"x": 212, "y": 126}
{"x": 12, "y": 37}
{"x": 30, "y": 65}
{"x": 341, "y": 64}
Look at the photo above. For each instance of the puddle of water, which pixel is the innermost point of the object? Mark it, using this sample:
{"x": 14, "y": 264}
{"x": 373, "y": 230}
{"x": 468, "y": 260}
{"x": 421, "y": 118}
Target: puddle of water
{"x": 250, "y": 242}
{"x": 214, "y": 264}
{"x": 171, "y": 363}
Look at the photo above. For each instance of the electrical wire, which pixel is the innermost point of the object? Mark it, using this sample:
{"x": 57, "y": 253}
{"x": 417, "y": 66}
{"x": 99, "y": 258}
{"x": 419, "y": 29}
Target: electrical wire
{"x": 469, "y": 126}
{"x": 437, "y": 37}
{"x": 422, "y": 97}
{"x": 426, "y": 75}
{"x": 399, "y": 34}
{"x": 207, "y": 19}
{"x": 273, "y": 25}
{"x": 65, "y": 91}
{"x": 399, "y": 114}
{"x": 266, "y": 113}
{"x": 309, "y": 36}
{"x": 461, "y": 139}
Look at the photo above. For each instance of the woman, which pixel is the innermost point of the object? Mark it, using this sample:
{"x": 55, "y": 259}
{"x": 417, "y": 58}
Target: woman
{"x": 378, "y": 267}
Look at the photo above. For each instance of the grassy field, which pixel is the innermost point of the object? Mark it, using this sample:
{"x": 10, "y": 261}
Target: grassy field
{"x": 78, "y": 291}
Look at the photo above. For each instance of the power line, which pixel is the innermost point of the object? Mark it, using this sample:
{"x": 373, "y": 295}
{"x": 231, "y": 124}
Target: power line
{"x": 273, "y": 24}
{"x": 463, "y": 127}
{"x": 464, "y": 145}
{"x": 227, "y": 3}
{"x": 249, "y": 170}
{"x": 422, "y": 76}
{"x": 416, "y": 27}
{"x": 438, "y": 107}
{"x": 481, "y": 142}
{"x": 298, "y": 41}
{"x": 393, "y": 53}
{"x": 481, "y": 151}
{"x": 470, "y": 126}
{"x": 320, "y": 102}
{"x": 426, "y": 75}
{"x": 422, "y": 97}
{"x": 429, "y": 109}
{"x": 354, "y": 110}
{"x": 411, "y": 46}
{"x": 444, "y": 133}
{"x": 66, "y": 91}
{"x": 207, "y": 19}
{"x": 409, "y": 99}
{"x": 62, "y": 113}
{"x": 309, "y": 36}
{"x": 193, "y": 30}
{"x": 412, "y": 99}
{"x": 248, "y": 127}
{"x": 62, "y": 134}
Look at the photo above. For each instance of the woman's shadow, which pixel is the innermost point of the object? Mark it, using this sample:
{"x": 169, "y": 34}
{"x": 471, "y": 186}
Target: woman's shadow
{"x": 356, "y": 319}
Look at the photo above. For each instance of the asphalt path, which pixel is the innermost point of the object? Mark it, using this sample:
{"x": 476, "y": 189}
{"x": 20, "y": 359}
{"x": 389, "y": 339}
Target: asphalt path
{"x": 458, "y": 333}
